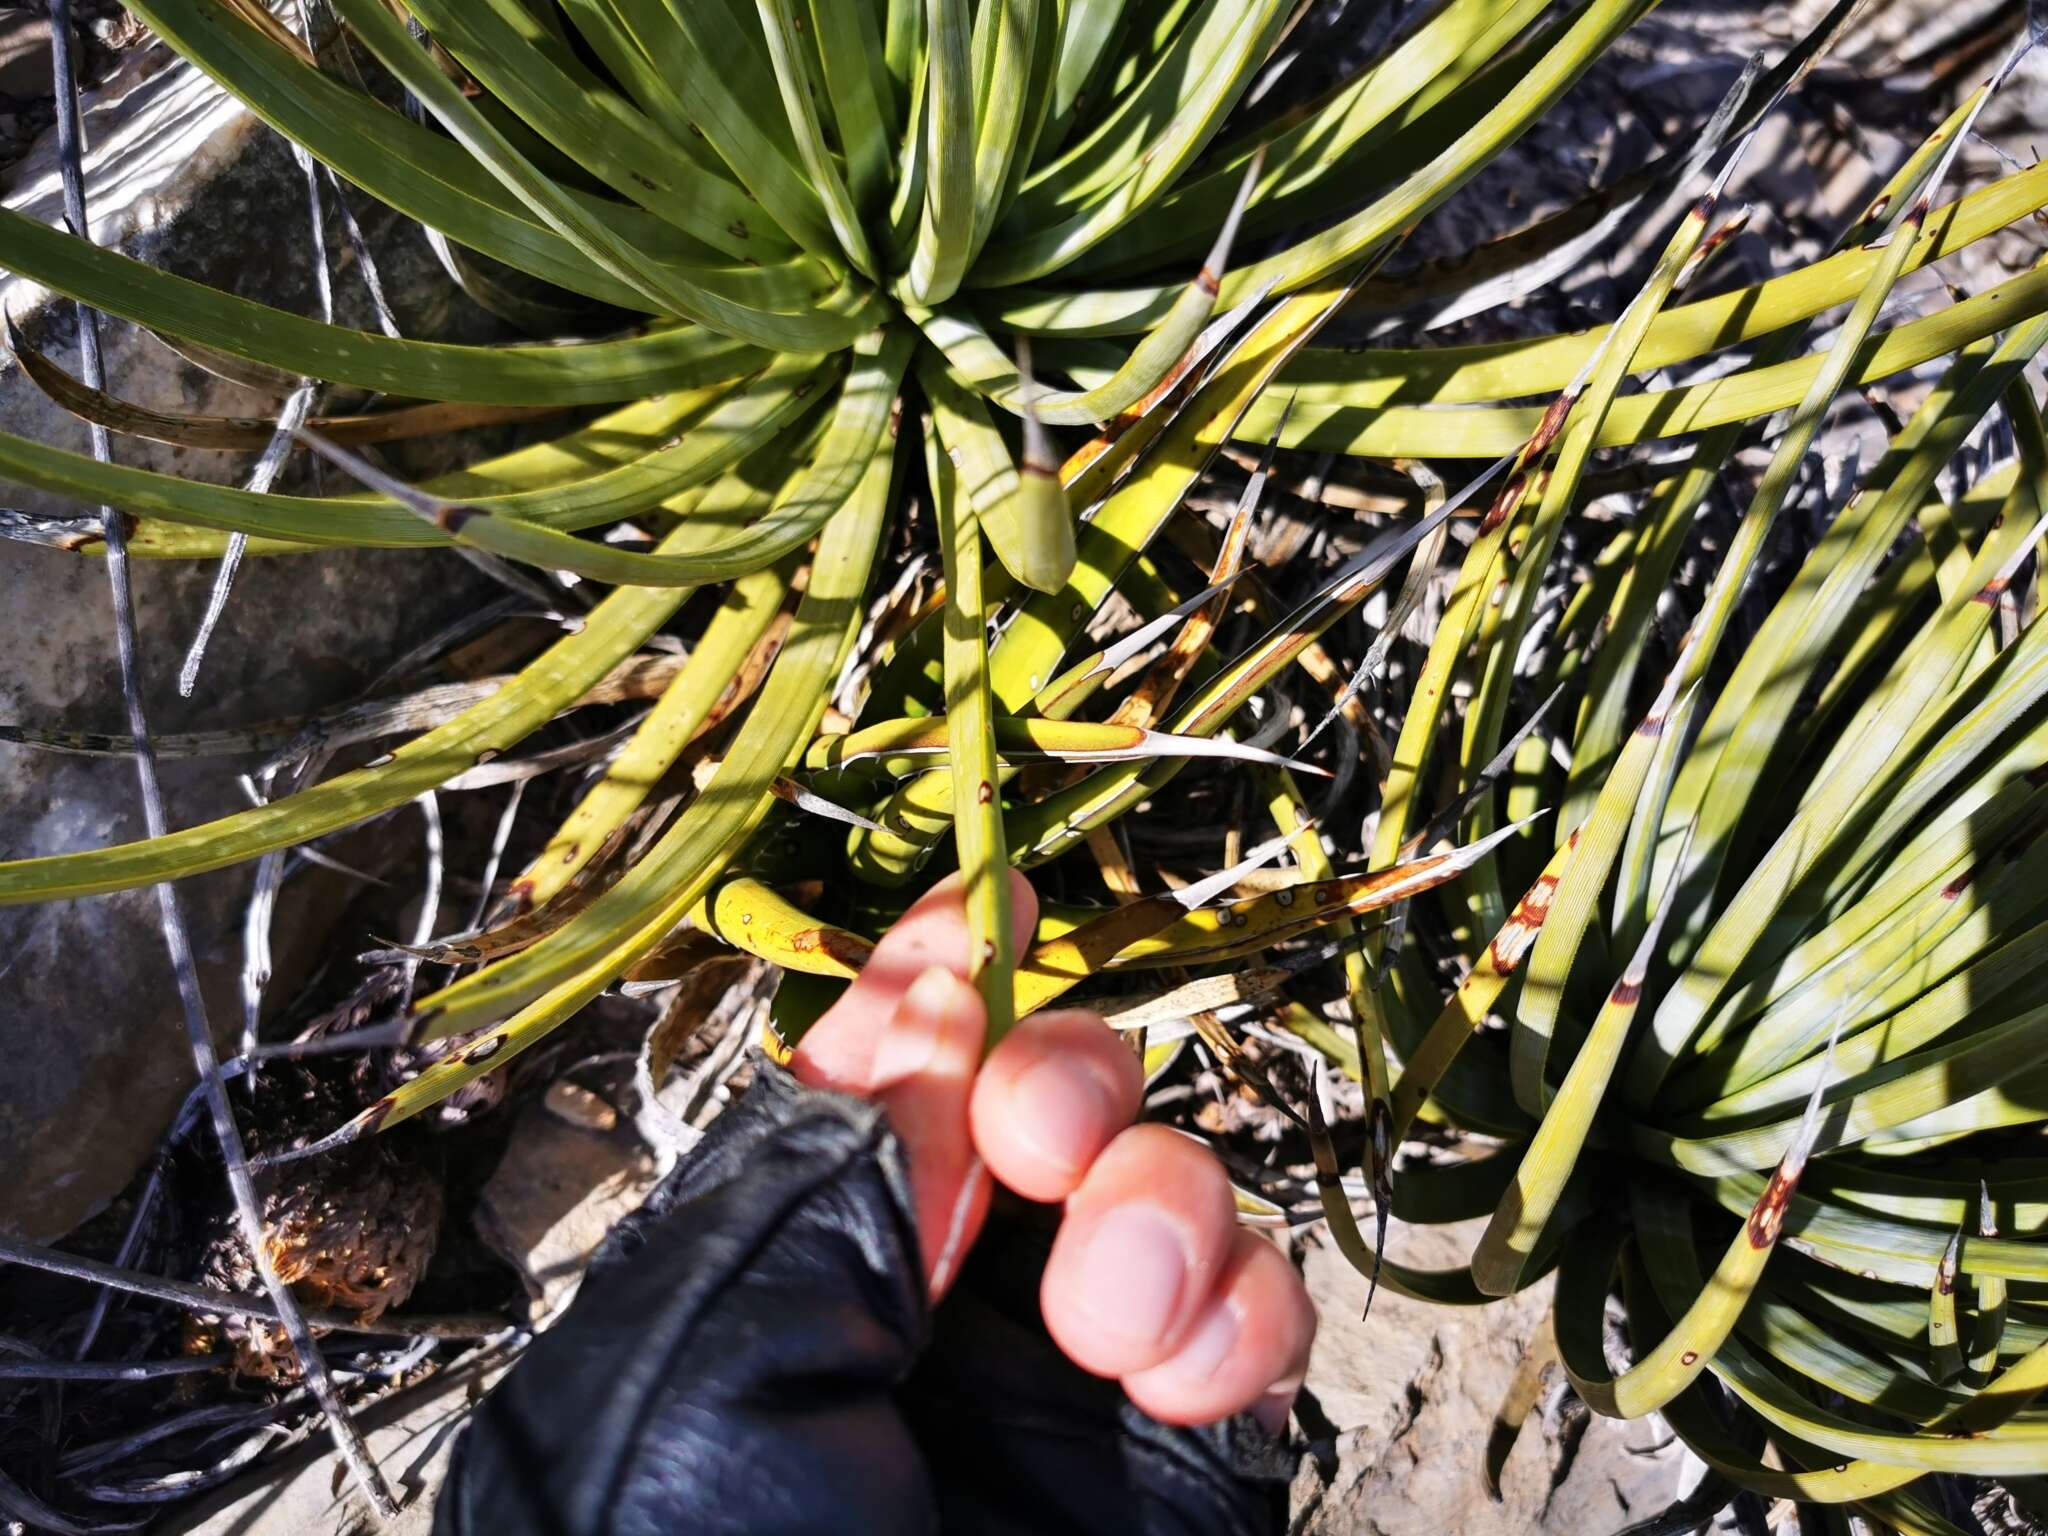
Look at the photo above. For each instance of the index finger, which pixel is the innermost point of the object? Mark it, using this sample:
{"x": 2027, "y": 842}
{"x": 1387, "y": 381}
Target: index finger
{"x": 839, "y": 1050}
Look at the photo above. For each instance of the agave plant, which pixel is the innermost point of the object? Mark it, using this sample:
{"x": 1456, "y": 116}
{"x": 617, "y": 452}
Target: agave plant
{"x": 1767, "y": 948}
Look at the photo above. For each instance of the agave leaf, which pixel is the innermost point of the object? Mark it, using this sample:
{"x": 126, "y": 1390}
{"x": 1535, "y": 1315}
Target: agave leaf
{"x": 1770, "y": 672}
{"x": 1944, "y": 1337}
{"x": 613, "y": 630}
{"x": 859, "y": 422}
{"x": 945, "y": 231}
{"x": 1028, "y": 651}
{"x": 531, "y": 71}
{"x": 593, "y": 230}
{"x": 793, "y": 79}
{"x": 753, "y": 917}
{"x": 1085, "y": 196}
{"x": 659, "y": 52}
{"x": 544, "y": 986}
{"x": 1316, "y": 139}
{"x": 971, "y": 751}
{"x": 1526, "y": 1208}
{"x": 251, "y": 432}
{"x": 1032, "y": 535}
{"x": 538, "y": 518}
{"x": 901, "y": 747}
{"x": 661, "y": 357}
{"x": 974, "y": 358}
{"x": 718, "y": 678}
{"x": 1505, "y": 623}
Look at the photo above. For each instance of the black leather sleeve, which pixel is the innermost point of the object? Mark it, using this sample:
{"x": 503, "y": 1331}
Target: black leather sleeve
{"x": 752, "y": 1353}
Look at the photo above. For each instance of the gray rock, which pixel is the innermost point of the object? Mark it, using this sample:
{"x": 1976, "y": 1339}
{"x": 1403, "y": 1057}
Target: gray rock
{"x": 1413, "y": 1391}
{"x": 182, "y": 177}
{"x": 410, "y": 1432}
{"x": 560, "y": 1187}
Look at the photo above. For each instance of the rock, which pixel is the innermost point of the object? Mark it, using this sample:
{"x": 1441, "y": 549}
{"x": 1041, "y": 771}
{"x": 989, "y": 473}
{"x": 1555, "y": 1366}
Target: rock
{"x": 556, "y": 1192}
{"x": 182, "y": 177}
{"x": 24, "y": 53}
{"x": 411, "y": 1434}
{"x": 1413, "y": 1392}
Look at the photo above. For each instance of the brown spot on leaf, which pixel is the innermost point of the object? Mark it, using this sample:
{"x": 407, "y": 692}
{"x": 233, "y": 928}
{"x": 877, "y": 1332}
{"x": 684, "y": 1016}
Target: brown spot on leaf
{"x": 1497, "y": 513}
{"x": 1767, "y": 1218}
{"x": 371, "y": 1120}
{"x": 1519, "y": 931}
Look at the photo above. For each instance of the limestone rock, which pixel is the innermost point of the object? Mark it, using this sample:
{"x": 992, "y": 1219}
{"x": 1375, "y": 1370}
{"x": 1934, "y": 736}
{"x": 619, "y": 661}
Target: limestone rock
{"x": 1413, "y": 1391}
{"x": 182, "y": 177}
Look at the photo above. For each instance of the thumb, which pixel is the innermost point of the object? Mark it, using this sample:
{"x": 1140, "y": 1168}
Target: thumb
{"x": 924, "y": 1067}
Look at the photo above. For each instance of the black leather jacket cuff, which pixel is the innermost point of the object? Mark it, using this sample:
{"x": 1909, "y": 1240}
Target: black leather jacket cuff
{"x": 752, "y": 1352}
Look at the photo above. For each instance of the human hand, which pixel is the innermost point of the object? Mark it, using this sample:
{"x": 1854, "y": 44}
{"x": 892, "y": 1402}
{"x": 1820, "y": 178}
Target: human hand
{"x": 1151, "y": 1280}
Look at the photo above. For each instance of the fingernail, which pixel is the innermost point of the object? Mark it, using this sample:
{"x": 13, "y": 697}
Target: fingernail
{"x": 1211, "y": 1344}
{"x": 915, "y": 1032}
{"x": 1273, "y": 1408}
{"x": 1133, "y": 1267}
{"x": 1063, "y": 1112}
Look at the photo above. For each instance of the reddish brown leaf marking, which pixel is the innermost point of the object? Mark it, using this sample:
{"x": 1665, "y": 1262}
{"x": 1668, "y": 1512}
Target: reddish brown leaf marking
{"x": 1510, "y": 495}
{"x": 1519, "y": 932}
{"x": 849, "y": 949}
{"x": 1768, "y": 1218}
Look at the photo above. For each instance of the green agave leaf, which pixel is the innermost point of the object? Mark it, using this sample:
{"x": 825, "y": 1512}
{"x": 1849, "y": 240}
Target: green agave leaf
{"x": 1084, "y": 197}
{"x": 539, "y": 519}
{"x": 613, "y": 630}
{"x": 541, "y": 987}
{"x": 538, "y": 76}
{"x": 664, "y": 357}
{"x": 945, "y": 234}
{"x": 793, "y": 79}
{"x": 1313, "y": 145}
{"x": 1032, "y": 534}
{"x": 691, "y": 700}
{"x": 971, "y": 750}
{"x": 1430, "y": 431}
{"x": 720, "y": 298}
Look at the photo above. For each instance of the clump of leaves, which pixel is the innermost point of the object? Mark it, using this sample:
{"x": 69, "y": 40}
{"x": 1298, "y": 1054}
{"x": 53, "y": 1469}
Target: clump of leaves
{"x": 1769, "y": 948}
